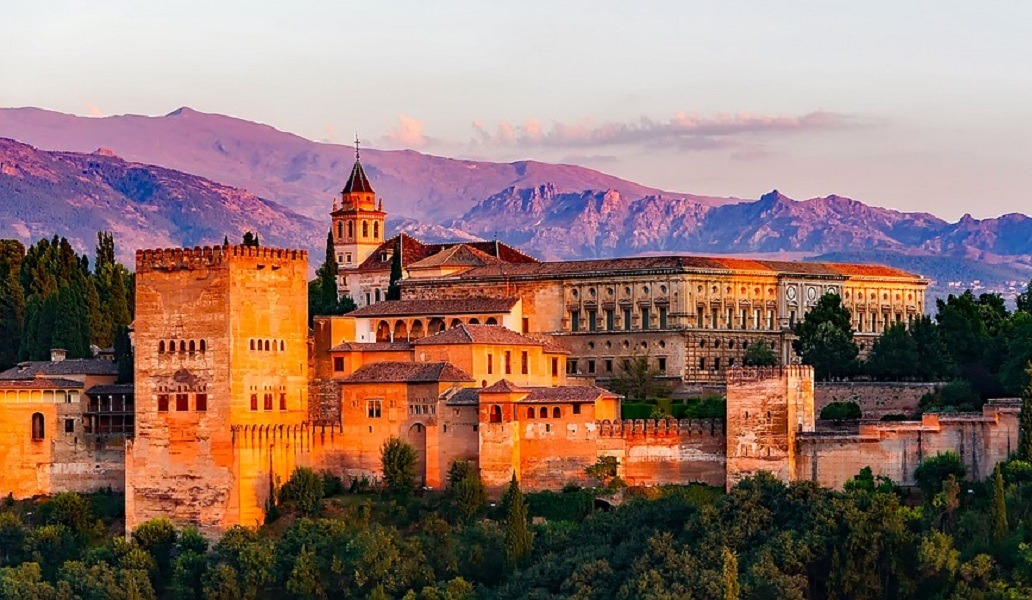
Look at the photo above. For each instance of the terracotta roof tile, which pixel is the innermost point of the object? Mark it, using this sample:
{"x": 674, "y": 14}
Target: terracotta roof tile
{"x": 461, "y": 255}
{"x": 69, "y": 366}
{"x": 464, "y": 397}
{"x": 566, "y": 393}
{"x": 430, "y": 308}
{"x": 372, "y": 347}
{"x": 41, "y": 383}
{"x": 407, "y": 372}
{"x": 413, "y": 251}
{"x": 118, "y": 388}
{"x": 503, "y": 386}
{"x": 479, "y": 334}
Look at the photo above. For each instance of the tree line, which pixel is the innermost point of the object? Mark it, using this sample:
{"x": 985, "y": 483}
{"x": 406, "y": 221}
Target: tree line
{"x": 973, "y": 339}
{"x": 50, "y": 297}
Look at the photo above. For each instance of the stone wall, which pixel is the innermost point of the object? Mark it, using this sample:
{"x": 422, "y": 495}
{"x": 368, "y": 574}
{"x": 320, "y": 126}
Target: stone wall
{"x": 666, "y": 451}
{"x": 896, "y": 449}
{"x": 876, "y": 399}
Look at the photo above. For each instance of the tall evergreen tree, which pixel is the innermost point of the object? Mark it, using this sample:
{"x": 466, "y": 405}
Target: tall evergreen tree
{"x": 124, "y": 354}
{"x": 328, "y": 279}
{"x": 118, "y": 303}
{"x": 99, "y": 320}
{"x": 12, "y": 302}
{"x": 894, "y": 355}
{"x": 824, "y": 338}
{"x": 394, "y": 287}
{"x": 1025, "y": 423}
{"x": 251, "y": 239}
{"x": 730, "y": 575}
{"x": 998, "y": 507}
{"x": 518, "y": 541}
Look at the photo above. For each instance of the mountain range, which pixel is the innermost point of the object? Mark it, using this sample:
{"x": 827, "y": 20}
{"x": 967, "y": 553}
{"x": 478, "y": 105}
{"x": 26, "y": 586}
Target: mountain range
{"x": 221, "y": 175}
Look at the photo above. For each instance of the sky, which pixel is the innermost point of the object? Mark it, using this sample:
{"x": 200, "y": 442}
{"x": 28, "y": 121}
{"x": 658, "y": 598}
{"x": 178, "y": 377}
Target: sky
{"x": 918, "y": 105}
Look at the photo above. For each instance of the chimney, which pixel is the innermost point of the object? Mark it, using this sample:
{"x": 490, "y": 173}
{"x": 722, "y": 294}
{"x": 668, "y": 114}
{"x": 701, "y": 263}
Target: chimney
{"x": 58, "y": 354}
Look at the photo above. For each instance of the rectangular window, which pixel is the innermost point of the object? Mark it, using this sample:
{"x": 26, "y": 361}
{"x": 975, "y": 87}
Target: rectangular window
{"x": 770, "y": 319}
{"x": 592, "y": 320}
{"x": 69, "y": 425}
{"x": 374, "y": 408}
{"x": 182, "y": 402}
{"x": 591, "y": 366}
{"x": 576, "y": 409}
{"x": 254, "y": 401}
{"x": 661, "y": 362}
{"x": 698, "y": 317}
{"x": 702, "y": 364}
{"x": 347, "y": 257}
{"x": 610, "y": 320}
{"x": 338, "y": 364}
{"x": 645, "y": 318}
{"x": 713, "y": 318}
{"x": 267, "y": 401}
{"x": 508, "y": 362}
{"x": 526, "y": 324}
{"x": 282, "y": 401}
{"x": 745, "y": 318}
{"x": 162, "y": 402}
{"x": 627, "y": 319}
{"x": 716, "y": 364}
{"x": 201, "y": 402}
{"x": 574, "y": 320}
{"x": 662, "y": 317}
{"x": 571, "y": 366}
{"x": 524, "y": 362}
{"x": 490, "y": 363}
{"x": 555, "y": 367}
{"x": 609, "y": 365}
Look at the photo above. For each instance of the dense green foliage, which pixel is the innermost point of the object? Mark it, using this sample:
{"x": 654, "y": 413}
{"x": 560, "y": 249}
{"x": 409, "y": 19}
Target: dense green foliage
{"x": 394, "y": 284}
{"x": 304, "y": 489}
{"x": 763, "y": 539}
{"x": 841, "y": 411}
{"x": 50, "y": 298}
{"x": 398, "y": 461}
{"x": 466, "y": 489}
{"x": 323, "y": 295}
{"x": 638, "y": 379}
{"x": 824, "y": 339}
{"x": 759, "y": 354}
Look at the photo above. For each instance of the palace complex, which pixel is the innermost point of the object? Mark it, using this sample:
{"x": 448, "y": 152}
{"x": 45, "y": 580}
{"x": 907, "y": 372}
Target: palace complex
{"x": 490, "y": 356}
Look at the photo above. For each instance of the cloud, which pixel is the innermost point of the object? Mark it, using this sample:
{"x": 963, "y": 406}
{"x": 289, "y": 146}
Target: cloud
{"x": 684, "y": 131}
{"x": 408, "y": 133}
{"x": 93, "y": 110}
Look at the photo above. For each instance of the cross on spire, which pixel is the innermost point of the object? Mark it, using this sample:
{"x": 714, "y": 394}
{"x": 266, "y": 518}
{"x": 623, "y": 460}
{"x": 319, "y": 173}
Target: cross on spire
{"x": 356, "y": 146}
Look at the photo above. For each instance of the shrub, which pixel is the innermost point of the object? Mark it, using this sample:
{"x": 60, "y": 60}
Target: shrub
{"x": 332, "y": 485}
{"x": 398, "y": 460}
{"x": 636, "y": 411}
{"x": 932, "y": 472}
{"x": 841, "y": 411}
{"x": 304, "y": 489}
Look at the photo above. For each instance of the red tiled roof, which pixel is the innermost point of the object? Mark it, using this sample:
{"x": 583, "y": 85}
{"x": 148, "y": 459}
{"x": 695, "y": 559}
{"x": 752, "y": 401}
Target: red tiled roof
{"x": 678, "y": 264}
{"x": 464, "y": 397}
{"x": 372, "y": 347}
{"x": 413, "y": 251}
{"x": 479, "y": 334}
{"x": 431, "y": 308}
{"x": 461, "y": 255}
{"x": 407, "y": 372}
{"x": 69, "y": 366}
{"x": 503, "y": 386}
{"x": 357, "y": 182}
{"x": 566, "y": 393}
{"x": 41, "y": 383}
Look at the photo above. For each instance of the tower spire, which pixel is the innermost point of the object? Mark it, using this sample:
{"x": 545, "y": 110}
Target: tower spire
{"x": 357, "y": 158}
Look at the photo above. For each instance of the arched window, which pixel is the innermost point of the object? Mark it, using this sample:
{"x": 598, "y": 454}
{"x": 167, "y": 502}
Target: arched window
{"x": 376, "y": 230}
{"x": 556, "y": 413}
{"x": 543, "y": 413}
{"x": 530, "y": 412}
{"x": 351, "y": 229}
{"x": 474, "y": 321}
{"x": 38, "y": 429}
{"x": 496, "y": 413}
{"x": 193, "y": 346}
{"x": 491, "y": 321}
{"x": 266, "y": 345}
{"x": 182, "y": 345}
{"x": 252, "y": 344}
{"x": 161, "y": 347}
{"x": 455, "y": 323}
{"x": 365, "y": 229}
{"x": 282, "y": 345}
{"x": 340, "y": 229}
{"x": 171, "y": 346}
{"x": 376, "y": 294}
{"x": 204, "y": 346}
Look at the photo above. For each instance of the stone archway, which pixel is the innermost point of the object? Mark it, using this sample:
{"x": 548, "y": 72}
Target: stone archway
{"x": 383, "y": 332}
{"x": 416, "y": 437}
{"x": 417, "y": 329}
{"x": 436, "y": 326}
{"x": 400, "y": 331}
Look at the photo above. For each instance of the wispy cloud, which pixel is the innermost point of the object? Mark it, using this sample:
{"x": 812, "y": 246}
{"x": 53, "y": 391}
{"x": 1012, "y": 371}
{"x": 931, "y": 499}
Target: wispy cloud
{"x": 684, "y": 131}
{"x": 408, "y": 134}
{"x": 93, "y": 110}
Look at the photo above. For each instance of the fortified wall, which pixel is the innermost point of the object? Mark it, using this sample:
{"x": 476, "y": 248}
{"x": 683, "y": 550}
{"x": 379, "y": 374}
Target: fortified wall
{"x": 875, "y": 398}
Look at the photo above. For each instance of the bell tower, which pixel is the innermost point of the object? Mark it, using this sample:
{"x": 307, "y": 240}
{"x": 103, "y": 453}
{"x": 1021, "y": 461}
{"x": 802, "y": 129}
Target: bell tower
{"x": 357, "y": 220}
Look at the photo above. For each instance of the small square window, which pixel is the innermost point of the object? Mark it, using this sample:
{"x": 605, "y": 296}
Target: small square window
{"x": 69, "y": 425}
{"x": 576, "y": 409}
{"x": 338, "y": 364}
{"x": 182, "y": 402}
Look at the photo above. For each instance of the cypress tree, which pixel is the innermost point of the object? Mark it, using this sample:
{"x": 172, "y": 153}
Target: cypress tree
{"x": 98, "y": 319}
{"x": 394, "y": 287}
{"x": 124, "y": 354}
{"x": 118, "y": 303}
{"x": 730, "y": 575}
{"x": 998, "y": 508}
{"x": 12, "y": 302}
{"x": 1025, "y": 423}
{"x": 518, "y": 542}
{"x": 327, "y": 273}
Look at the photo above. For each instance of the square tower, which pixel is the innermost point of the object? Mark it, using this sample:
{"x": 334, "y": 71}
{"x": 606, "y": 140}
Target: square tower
{"x": 221, "y": 347}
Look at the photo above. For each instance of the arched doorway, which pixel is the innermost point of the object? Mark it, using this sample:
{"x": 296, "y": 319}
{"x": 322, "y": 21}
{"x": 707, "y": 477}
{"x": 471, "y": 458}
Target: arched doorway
{"x": 383, "y": 332}
{"x": 400, "y": 331}
{"x": 416, "y": 437}
{"x": 436, "y": 326}
{"x": 417, "y": 329}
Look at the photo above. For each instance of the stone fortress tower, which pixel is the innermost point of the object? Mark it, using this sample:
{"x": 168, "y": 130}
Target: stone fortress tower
{"x": 221, "y": 348}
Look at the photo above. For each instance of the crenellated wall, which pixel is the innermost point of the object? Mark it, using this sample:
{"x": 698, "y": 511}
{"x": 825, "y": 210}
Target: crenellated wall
{"x": 654, "y": 452}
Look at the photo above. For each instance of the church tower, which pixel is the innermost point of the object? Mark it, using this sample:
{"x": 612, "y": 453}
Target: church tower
{"x": 357, "y": 221}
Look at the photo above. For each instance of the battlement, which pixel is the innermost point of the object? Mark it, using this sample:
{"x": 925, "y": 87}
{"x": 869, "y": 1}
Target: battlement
{"x": 738, "y": 375}
{"x": 660, "y": 427}
{"x": 171, "y": 259}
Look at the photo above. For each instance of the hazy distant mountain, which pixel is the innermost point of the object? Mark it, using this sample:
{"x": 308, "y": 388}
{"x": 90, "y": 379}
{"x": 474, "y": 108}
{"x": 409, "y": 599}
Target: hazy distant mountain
{"x": 75, "y": 195}
{"x": 298, "y": 173}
